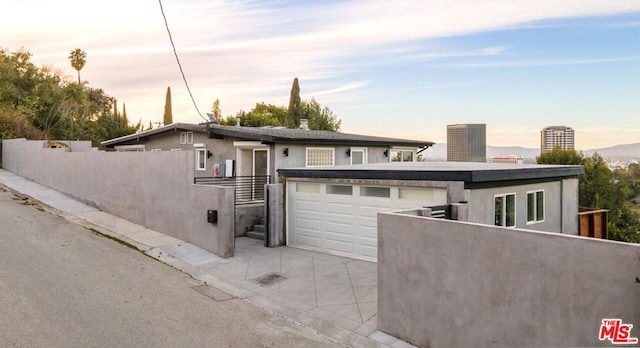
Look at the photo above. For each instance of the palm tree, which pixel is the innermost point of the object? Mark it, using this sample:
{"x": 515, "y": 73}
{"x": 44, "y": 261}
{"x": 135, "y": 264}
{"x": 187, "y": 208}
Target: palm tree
{"x": 78, "y": 58}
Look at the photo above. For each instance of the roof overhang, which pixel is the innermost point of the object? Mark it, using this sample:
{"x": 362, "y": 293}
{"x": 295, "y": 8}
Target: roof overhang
{"x": 427, "y": 171}
{"x": 144, "y": 136}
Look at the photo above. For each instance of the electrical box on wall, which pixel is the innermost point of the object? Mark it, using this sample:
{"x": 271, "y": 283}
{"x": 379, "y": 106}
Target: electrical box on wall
{"x": 212, "y": 216}
{"x": 229, "y": 168}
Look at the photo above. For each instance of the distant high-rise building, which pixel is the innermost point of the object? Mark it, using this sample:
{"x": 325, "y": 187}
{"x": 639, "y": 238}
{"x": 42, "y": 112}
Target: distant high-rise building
{"x": 467, "y": 142}
{"x": 556, "y": 136}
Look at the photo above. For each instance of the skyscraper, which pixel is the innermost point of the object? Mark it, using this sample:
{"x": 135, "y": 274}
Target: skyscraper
{"x": 467, "y": 142}
{"x": 559, "y": 136}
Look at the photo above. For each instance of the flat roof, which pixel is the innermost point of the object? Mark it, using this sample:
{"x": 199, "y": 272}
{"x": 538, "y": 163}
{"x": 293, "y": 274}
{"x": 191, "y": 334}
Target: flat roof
{"x": 469, "y": 172}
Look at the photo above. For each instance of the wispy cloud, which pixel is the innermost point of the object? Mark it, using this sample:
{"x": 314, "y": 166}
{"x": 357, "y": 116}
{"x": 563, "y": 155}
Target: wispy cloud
{"x": 635, "y": 24}
{"x": 484, "y": 52}
{"x": 343, "y": 88}
{"x": 541, "y": 62}
{"x": 245, "y": 51}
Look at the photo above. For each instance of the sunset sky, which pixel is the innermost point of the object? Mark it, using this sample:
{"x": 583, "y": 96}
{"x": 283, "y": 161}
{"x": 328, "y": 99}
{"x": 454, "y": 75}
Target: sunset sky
{"x": 389, "y": 68}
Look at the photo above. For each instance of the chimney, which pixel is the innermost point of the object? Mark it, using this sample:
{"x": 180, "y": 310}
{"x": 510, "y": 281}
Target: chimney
{"x": 304, "y": 124}
{"x": 237, "y": 122}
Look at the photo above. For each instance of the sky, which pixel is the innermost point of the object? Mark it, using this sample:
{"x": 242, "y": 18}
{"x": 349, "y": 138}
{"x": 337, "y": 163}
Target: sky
{"x": 389, "y": 68}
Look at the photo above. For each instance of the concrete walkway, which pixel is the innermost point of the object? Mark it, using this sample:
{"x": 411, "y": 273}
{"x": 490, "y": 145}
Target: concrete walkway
{"x": 336, "y": 296}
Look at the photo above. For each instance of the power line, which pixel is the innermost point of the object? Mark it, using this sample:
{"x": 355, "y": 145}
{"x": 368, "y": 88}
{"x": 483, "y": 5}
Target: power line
{"x": 178, "y": 60}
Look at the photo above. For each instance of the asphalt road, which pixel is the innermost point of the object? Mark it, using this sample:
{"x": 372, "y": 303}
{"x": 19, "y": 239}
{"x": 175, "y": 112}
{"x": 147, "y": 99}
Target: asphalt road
{"x": 63, "y": 286}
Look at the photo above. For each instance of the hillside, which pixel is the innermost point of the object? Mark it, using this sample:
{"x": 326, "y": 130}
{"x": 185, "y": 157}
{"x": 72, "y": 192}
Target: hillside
{"x": 439, "y": 152}
{"x": 628, "y": 151}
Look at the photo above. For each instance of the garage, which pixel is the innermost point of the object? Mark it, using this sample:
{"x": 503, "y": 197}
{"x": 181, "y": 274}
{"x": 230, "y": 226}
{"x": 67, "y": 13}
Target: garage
{"x": 341, "y": 218}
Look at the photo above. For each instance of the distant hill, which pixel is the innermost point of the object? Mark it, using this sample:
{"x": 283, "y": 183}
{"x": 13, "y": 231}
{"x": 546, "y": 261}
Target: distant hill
{"x": 439, "y": 152}
{"x": 629, "y": 151}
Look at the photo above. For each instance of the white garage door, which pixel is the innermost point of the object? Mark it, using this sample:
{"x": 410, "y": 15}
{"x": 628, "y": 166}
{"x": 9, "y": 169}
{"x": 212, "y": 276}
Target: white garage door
{"x": 342, "y": 219}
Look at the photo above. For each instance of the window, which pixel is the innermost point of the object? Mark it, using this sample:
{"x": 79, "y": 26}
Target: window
{"x": 358, "y": 156}
{"x": 416, "y": 194}
{"x": 374, "y": 191}
{"x": 320, "y": 156}
{"x": 340, "y": 190}
{"x": 535, "y": 206}
{"x": 505, "y": 210}
{"x": 201, "y": 158}
{"x": 186, "y": 138}
{"x": 404, "y": 155}
{"x": 307, "y": 187}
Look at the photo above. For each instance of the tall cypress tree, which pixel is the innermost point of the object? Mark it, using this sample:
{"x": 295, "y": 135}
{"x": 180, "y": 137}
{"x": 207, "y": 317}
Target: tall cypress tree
{"x": 124, "y": 115}
{"x": 294, "y": 111}
{"x": 168, "y": 116}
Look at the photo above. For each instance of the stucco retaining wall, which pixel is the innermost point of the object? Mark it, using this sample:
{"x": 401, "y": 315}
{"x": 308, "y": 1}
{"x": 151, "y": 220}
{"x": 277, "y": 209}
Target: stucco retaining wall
{"x": 153, "y": 189}
{"x": 444, "y": 283}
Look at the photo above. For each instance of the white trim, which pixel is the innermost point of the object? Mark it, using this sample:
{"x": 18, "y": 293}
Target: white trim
{"x": 200, "y": 166}
{"x": 198, "y": 145}
{"x": 249, "y": 144}
{"x": 253, "y": 165}
{"x": 186, "y": 138}
{"x": 535, "y": 207}
{"x": 414, "y": 153}
{"x": 504, "y": 209}
{"x": 333, "y": 156}
{"x": 364, "y": 151}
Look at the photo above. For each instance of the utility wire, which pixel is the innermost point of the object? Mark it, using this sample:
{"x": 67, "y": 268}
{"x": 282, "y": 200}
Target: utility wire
{"x": 178, "y": 60}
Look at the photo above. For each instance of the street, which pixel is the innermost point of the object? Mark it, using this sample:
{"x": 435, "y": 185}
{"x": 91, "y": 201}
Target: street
{"x": 63, "y": 286}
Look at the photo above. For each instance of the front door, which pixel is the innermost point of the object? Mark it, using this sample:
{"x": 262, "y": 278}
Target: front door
{"x": 259, "y": 172}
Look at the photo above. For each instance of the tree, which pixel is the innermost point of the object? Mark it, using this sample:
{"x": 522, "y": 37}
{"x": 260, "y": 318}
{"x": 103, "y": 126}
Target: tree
{"x": 261, "y": 115}
{"x": 168, "y": 115}
{"x": 78, "y": 59}
{"x": 124, "y": 115}
{"x": 559, "y": 156}
{"x": 599, "y": 187}
{"x": 293, "y": 112}
{"x": 38, "y": 103}
{"x": 319, "y": 118}
{"x": 215, "y": 110}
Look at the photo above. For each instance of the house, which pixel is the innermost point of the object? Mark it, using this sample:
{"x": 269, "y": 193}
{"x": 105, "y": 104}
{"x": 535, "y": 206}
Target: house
{"x": 335, "y": 184}
{"x": 247, "y": 158}
{"x": 334, "y": 209}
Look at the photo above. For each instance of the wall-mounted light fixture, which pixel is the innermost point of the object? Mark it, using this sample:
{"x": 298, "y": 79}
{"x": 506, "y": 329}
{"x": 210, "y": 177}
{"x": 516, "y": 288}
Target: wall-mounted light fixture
{"x": 386, "y": 153}
{"x": 286, "y": 151}
{"x": 209, "y": 154}
{"x": 348, "y": 152}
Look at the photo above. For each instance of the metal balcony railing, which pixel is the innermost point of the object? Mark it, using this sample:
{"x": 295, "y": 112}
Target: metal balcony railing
{"x": 249, "y": 189}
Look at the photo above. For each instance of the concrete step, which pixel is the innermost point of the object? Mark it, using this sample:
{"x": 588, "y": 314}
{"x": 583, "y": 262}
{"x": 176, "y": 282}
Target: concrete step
{"x": 255, "y": 235}
{"x": 258, "y": 228}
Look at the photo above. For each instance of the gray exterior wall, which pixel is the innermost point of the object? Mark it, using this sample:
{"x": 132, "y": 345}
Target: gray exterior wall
{"x": 444, "y": 283}
{"x": 223, "y": 149}
{"x": 561, "y": 205}
{"x": 247, "y": 216}
{"x": 169, "y": 140}
{"x": 153, "y": 189}
{"x": 298, "y": 155}
{"x": 220, "y": 150}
